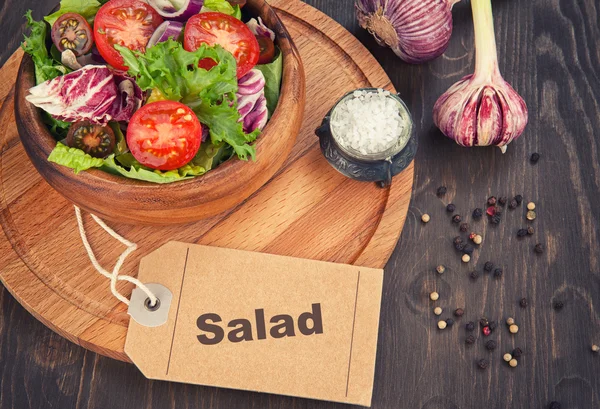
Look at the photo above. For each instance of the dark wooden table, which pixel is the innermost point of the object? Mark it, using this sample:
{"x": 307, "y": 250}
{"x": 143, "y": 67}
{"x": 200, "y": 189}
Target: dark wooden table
{"x": 549, "y": 52}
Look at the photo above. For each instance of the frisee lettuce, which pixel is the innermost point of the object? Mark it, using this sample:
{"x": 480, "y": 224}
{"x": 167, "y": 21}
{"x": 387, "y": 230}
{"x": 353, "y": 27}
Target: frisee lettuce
{"x": 174, "y": 72}
{"x": 223, "y": 6}
{"x": 35, "y": 45}
{"x": 87, "y": 8}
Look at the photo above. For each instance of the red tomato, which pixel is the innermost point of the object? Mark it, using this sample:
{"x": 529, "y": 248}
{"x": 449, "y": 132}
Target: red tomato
{"x": 267, "y": 50}
{"x": 230, "y": 33}
{"x": 164, "y": 135}
{"x": 72, "y": 32}
{"x": 129, "y": 23}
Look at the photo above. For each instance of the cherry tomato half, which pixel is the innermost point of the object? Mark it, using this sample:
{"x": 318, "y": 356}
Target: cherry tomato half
{"x": 129, "y": 23}
{"x": 72, "y": 32}
{"x": 164, "y": 135}
{"x": 267, "y": 50}
{"x": 95, "y": 140}
{"x": 230, "y": 33}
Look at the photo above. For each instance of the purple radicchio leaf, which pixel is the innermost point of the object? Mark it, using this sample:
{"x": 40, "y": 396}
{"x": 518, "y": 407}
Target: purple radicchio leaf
{"x": 85, "y": 94}
{"x": 129, "y": 99}
{"x": 258, "y": 28}
{"x": 257, "y": 119}
{"x": 252, "y": 104}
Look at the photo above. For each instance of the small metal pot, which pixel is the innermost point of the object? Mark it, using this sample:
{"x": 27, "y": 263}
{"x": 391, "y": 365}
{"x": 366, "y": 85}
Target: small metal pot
{"x": 380, "y": 167}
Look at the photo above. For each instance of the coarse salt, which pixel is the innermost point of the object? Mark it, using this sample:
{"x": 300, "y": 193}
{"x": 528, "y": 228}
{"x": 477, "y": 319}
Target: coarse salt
{"x": 368, "y": 122}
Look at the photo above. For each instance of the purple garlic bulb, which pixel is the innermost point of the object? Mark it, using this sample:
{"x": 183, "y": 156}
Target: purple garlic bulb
{"x": 482, "y": 109}
{"x": 416, "y": 30}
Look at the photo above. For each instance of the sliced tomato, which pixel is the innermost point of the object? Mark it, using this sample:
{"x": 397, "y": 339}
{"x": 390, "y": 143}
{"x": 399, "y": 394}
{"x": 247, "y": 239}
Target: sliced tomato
{"x": 95, "y": 140}
{"x": 129, "y": 23}
{"x": 230, "y": 33}
{"x": 72, "y": 32}
{"x": 164, "y": 135}
{"x": 267, "y": 50}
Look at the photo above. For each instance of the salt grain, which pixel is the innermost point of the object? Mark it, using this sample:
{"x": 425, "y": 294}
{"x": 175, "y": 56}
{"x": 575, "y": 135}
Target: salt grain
{"x": 368, "y": 122}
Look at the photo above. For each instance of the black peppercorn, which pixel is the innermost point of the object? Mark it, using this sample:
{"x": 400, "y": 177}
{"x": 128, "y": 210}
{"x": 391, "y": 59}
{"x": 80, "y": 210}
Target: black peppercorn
{"x": 456, "y": 218}
{"x": 483, "y": 363}
{"x": 498, "y": 273}
{"x": 530, "y": 230}
{"x": 468, "y": 249}
{"x": 492, "y": 201}
{"x": 484, "y": 322}
{"x": 464, "y": 227}
{"x": 554, "y": 405}
{"x": 539, "y": 249}
{"x": 558, "y": 305}
{"x": 519, "y": 199}
{"x": 458, "y": 240}
{"x": 477, "y": 213}
{"x": 491, "y": 345}
{"x": 496, "y": 218}
{"x": 522, "y": 233}
{"x": 523, "y": 303}
{"x": 470, "y": 340}
{"x": 450, "y": 208}
{"x": 489, "y": 266}
{"x": 470, "y": 326}
{"x": 535, "y": 157}
{"x": 459, "y": 312}
{"x": 442, "y": 190}
{"x": 517, "y": 352}
{"x": 474, "y": 274}
{"x": 460, "y": 246}
{"x": 513, "y": 204}
{"x": 493, "y": 325}
{"x": 450, "y": 322}
{"x": 503, "y": 200}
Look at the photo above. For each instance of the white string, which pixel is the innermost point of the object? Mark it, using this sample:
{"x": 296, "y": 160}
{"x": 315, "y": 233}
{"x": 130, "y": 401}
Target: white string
{"x": 114, "y": 277}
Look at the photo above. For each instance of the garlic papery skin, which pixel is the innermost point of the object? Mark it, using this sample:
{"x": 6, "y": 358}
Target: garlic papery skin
{"x": 416, "y": 30}
{"x": 482, "y": 109}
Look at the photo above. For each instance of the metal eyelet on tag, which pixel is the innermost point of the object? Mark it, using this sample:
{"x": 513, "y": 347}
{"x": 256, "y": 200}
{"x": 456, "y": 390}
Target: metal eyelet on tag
{"x": 144, "y": 313}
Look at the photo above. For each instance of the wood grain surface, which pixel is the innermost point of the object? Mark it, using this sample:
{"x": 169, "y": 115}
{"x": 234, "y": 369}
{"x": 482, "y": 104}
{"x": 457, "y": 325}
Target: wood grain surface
{"x": 291, "y": 215}
{"x": 549, "y": 52}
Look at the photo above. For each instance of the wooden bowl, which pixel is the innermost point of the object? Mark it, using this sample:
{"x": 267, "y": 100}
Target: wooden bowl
{"x": 125, "y": 200}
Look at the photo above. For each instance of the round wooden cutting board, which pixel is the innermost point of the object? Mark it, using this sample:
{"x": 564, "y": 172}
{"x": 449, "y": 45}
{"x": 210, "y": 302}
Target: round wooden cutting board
{"x": 307, "y": 210}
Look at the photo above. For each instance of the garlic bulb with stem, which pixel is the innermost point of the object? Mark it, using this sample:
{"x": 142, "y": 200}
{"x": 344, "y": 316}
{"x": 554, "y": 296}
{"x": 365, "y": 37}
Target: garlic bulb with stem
{"x": 482, "y": 109}
{"x": 416, "y": 30}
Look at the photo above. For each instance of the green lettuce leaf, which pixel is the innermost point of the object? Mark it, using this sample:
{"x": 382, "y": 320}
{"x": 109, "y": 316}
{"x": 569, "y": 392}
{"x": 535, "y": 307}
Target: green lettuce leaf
{"x": 87, "y": 8}
{"x": 273, "y": 73}
{"x": 121, "y": 144}
{"x": 141, "y": 173}
{"x": 174, "y": 72}
{"x": 58, "y": 129}
{"x": 223, "y": 6}
{"x": 73, "y": 158}
{"x": 125, "y": 164}
{"x": 35, "y": 45}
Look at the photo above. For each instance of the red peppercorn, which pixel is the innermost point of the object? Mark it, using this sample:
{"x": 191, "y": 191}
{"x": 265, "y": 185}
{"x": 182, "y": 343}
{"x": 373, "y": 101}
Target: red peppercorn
{"x": 491, "y": 211}
{"x": 486, "y": 331}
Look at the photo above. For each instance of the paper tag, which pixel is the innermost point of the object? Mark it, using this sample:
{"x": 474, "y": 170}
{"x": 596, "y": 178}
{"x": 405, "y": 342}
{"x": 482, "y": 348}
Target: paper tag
{"x": 261, "y": 322}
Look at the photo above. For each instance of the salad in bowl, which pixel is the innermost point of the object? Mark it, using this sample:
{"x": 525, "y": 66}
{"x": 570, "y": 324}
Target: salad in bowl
{"x": 158, "y": 91}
